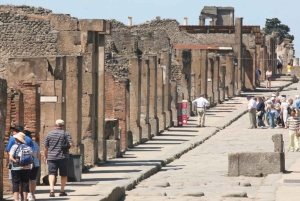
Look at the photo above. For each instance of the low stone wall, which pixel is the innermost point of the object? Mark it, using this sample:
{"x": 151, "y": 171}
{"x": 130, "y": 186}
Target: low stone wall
{"x": 255, "y": 164}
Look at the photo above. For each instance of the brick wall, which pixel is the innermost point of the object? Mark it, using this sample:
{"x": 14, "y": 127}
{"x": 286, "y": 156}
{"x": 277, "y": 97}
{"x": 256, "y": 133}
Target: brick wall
{"x": 116, "y": 104}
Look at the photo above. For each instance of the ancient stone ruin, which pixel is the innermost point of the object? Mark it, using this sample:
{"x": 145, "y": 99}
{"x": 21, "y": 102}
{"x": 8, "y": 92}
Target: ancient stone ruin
{"x": 116, "y": 85}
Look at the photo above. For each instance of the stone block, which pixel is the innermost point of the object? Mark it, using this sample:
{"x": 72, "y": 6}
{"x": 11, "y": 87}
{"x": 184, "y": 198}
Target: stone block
{"x": 47, "y": 88}
{"x": 233, "y": 165}
{"x": 92, "y": 25}
{"x": 86, "y": 105}
{"x": 255, "y": 164}
{"x": 69, "y": 42}
{"x": 63, "y": 22}
{"x": 26, "y": 69}
{"x": 278, "y": 143}
{"x": 113, "y": 148}
{"x": 90, "y": 148}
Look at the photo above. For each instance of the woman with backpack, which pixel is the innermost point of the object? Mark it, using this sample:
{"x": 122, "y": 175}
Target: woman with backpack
{"x": 36, "y": 166}
{"x": 21, "y": 162}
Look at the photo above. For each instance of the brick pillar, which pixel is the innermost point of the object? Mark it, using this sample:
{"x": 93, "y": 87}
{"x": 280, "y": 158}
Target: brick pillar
{"x": 3, "y": 107}
{"x": 153, "y": 95}
{"x": 196, "y": 63}
{"x": 210, "y": 78}
{"x": 145, "y": 100}
{"x": 222, "y": 86}
{"x": 135, "y": 99}
{"x": 174, "y": 101}
{"x": 160, "y": 97}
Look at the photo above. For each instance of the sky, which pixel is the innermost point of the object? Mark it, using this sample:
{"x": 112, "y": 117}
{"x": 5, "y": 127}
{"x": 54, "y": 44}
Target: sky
{"x": 254, "y": 12}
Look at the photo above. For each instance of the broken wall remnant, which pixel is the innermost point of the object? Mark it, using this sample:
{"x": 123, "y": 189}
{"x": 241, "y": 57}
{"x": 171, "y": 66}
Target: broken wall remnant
{"x": 219, "y": 16}
{"x": 258, "y": 164}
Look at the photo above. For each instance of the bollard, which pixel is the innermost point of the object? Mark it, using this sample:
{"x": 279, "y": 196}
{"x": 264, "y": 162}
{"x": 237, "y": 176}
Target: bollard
{"x": 278, "y": 143}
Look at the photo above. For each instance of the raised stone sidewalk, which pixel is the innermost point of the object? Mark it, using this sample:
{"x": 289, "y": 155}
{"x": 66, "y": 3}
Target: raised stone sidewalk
{"x": 110, "y": 180}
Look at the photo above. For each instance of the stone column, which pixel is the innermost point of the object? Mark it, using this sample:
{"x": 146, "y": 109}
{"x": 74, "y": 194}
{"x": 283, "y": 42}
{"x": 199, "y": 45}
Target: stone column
{"x": 203, "y": 69}
{"x": 101, "y": 98}
{"x": 210, "y": 78}
{"x": 230, "y": 76}
{"x": 166, "y": 63}
{"x": 239, "y": 51}
{"x": 222, "y": 86}
{"x": 153, "y": 95}
{"x": 160, "y": 97}
{"x": 135, "y": 98}
{"x": 73, "y": 99}
{"x": 185, "y": 21}
{"x": 145, "y": 99}
{"x": 216, "y": 80}
{"x": 196, "y": 70}
{"x": 174, "y": 101}
{"x": 3, "y": 102}
{"x": 129, "y": 21}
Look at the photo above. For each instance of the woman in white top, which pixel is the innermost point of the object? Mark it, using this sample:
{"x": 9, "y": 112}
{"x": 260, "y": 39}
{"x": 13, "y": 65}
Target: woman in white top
{"x": 284, "y": 111}
{"x": 268, "y": 78}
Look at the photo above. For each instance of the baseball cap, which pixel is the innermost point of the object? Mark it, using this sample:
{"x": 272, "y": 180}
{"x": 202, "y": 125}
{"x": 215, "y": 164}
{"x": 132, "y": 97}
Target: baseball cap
{"x": 17, "y": 128}
{"x": 59, "y": 122}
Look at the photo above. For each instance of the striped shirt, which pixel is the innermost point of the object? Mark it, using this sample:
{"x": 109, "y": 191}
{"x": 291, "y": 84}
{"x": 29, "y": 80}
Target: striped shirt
{"x": 53, "y": 141}
{"x": 36, "y": 150}
{"x": 293, "y": 123}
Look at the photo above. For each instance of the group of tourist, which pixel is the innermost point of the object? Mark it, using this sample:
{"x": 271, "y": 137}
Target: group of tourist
{"x": 276, "y": 112}
{"x": 23, "y": 160}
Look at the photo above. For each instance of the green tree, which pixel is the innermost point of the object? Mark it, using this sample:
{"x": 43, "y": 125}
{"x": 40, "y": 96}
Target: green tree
{"x": 274, "y": 25}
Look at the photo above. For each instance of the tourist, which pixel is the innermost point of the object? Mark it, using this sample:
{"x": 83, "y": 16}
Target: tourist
{"x": 289, "y": 69}
{"x": 270, "y": 112}
{"x": 34, "y": 171}
{"x": 277, "y": 95}
{"x": 257, "y": 76}
{"x": 268, "y": 78}
{"x": 279, "y": 65}
{"x": 260, "y": 109}
{"x": 14, "y": 130}
{"x": 296, "y": 105}
{"x": 252, "y": 112}
{"x": 55, "y": 157}
{"x": 277, "y": 107}
{"x": 201, "y": 103}
{"x": 284, "y": 111}
{"x": 293, "y": 124}
{"x": 20, "y": 174}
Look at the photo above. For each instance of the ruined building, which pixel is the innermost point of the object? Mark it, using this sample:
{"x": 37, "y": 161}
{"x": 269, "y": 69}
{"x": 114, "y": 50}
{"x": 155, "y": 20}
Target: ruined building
{"x": 116, "y": 85}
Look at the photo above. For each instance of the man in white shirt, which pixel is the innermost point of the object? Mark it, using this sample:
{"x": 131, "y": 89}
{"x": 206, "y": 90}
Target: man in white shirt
{"x": 201, "y": 104}
{"x": 252, "y": 112}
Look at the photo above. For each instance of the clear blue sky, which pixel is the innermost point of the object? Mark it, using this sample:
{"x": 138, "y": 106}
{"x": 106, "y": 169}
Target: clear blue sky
{"x": 254, "y": 12}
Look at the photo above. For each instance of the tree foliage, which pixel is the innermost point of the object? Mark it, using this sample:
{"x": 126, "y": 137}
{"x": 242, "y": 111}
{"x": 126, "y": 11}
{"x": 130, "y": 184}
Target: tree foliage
{"x": 274, "y": 25}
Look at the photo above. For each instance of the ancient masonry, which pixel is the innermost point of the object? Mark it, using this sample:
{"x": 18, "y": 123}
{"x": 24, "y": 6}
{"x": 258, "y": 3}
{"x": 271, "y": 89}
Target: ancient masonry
{"x": 116, "y": 85}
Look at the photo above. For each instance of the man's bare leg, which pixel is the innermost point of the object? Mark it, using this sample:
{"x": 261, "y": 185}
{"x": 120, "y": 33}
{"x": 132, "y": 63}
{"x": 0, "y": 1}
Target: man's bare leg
{"x": 51, "y": 182}
{"x": 63, "y": 183}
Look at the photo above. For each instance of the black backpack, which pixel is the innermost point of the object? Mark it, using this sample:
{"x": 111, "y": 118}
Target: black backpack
{"x": 65, "y": 145}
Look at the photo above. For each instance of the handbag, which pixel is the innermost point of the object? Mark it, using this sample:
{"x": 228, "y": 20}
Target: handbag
{"x": 268, "y": 114}
{"x": 258, "y": 113}
{"x": 297, "y": 133}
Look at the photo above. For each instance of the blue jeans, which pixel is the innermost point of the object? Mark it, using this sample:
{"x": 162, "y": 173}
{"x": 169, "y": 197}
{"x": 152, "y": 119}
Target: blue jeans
{"x": 271, "y": 119}
{"x": 259, "y": 119}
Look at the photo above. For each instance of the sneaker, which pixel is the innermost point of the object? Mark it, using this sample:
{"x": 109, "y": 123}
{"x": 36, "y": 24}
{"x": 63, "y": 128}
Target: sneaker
{"x": 31, "y": 198}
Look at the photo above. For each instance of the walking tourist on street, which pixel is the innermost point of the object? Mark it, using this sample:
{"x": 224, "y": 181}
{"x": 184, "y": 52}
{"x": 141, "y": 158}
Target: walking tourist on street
{"x": 268, "y": 78}
{"x": 260, "y": 112}
{"x": 279, "y": 65}
{"x": 284, "y": 111}
{"x": 20, "y": 165}
{"x": 289, "y": 69}
{"x": 293, "y": 124}
{"x": 257, "y": 76}
{"x": 270, "y": 112}
{"x": 277, "y": 108}
{"x": 57, "y": 156}
{"x": 201, "y": 103}
{"x": 34, "y": 171}
{"x": 296, "y": 105}
{"x": 252, "y": 112}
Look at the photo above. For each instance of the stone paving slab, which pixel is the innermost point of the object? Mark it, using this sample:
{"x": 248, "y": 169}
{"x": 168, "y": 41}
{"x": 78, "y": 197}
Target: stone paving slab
{"x": 110, "y": 180}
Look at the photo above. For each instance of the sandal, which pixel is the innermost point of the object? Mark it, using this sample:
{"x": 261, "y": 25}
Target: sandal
{"x": 63, "y": 194}
{"x": 52, "y": 194}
